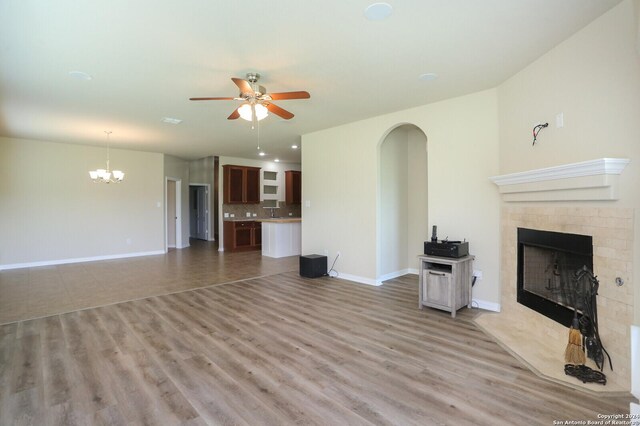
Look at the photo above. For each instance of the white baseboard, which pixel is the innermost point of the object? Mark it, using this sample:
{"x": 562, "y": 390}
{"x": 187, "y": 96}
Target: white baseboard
{"x": 78, "y": 260}
{"x": 483, "y": 304}
{"x": 379, "y": 280}
{"x": 396, "y": 274}
{"x": 358, "y": 279}
{"x": 184, "y": 246}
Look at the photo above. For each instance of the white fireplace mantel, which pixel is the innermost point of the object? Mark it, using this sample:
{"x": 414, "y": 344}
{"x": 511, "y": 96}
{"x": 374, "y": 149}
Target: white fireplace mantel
{"x": 587, "y": 180}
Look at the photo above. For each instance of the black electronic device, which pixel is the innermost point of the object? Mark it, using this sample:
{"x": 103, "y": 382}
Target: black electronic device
{"x": 434, "y": 234}
{"x": 313, "y": 266}
{"x": 446, "y": 248}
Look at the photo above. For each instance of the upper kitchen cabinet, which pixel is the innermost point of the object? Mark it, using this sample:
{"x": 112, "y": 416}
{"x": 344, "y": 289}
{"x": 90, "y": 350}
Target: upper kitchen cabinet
{"x": 241, "y": 184}
{"x": 293, "y": 186}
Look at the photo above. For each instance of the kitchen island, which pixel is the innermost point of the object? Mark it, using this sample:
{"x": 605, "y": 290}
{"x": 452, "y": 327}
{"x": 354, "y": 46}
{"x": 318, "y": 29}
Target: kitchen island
{"x": 281, "y": 237}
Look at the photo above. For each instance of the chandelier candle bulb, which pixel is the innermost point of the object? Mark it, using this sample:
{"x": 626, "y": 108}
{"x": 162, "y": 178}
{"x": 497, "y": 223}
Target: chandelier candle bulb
{"x": 104, "y": 175}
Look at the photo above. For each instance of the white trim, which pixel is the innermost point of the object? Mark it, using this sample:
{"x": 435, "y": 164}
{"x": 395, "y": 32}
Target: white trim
{"x": 600, "y": 166}
{"x": 178, "y": 213}
{"x": 595, "y": 180}
{"x": 635, "y": 361}
{"x": 358, "y": 279}
{"x": 483, "y": 304}
{"x": 396, "y": 274}
{"x": 79, "y": 260}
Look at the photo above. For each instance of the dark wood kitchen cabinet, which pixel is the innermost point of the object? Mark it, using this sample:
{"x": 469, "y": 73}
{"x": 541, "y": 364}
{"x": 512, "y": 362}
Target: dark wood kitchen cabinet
{"x": 293, "y": 186}
{"x": 241, "y": 184}
{"x": 242, "y": 235}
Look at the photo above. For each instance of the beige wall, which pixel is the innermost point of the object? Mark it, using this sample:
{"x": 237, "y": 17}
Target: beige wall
{"x": 51, "y": 211}
{"x": 417, "y": 225}
{"x": 393, "y": 210}
{"x": 341, "y": 177}
{"x": 593, "y": 78}
{"x": 402, "y": 202}
{"x": 177, "y": 168}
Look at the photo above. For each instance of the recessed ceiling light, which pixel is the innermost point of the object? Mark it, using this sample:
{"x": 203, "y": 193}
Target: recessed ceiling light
{"x": 378, "y": 11}
{"x": 79, "y": 75}
{"x": 262, "y": 154}
{"x": 277, "y": 160}
{"x": 428, "y": 76}
{"x": 170, "y": 120}
{"x": 294, "y": 146}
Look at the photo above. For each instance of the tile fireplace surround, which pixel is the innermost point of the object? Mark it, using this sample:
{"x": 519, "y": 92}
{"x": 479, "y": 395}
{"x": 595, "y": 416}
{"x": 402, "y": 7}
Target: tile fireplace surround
{"x": 539, "y": 341}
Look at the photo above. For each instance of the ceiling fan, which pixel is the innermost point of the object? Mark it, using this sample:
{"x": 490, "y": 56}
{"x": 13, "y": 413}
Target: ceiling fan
{"x": 256, "y": 101}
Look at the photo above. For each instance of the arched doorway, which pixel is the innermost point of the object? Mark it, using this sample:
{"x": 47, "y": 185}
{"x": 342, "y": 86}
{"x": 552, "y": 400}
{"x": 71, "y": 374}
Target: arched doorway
{"x": 402, "y": 211}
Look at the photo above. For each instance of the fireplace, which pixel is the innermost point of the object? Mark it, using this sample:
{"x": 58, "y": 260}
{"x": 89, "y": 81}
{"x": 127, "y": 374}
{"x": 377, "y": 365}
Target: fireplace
{"x": 547, "y": 264}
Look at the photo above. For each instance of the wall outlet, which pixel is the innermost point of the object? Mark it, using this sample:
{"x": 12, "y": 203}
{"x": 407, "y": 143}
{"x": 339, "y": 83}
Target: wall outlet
{"x": 338, "y": 254}
{"x": 226, "y": 215}
{"x": 255, "y": 214}
{"x": 290, "y": 214}
{"x": 560, "y": 120}
{"x": 232, "y": 215}
{"x": 128, "y": 241}
{"x": 477, "y": 274}
{"x": 248, "y": 214}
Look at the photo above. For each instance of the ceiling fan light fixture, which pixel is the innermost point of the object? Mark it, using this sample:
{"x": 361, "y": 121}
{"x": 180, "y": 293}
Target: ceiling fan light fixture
{"x": 245, "y": 112}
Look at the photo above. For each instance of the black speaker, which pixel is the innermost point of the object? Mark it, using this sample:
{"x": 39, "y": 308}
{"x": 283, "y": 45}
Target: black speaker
{"x": 313, "y": 266}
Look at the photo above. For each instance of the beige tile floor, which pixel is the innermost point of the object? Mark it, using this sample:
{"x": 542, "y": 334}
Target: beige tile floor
{"x": 37, "y": 292}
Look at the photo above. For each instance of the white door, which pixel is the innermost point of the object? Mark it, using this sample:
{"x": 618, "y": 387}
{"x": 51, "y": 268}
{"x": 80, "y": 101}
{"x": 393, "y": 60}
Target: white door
{"x": 202, "y": 224}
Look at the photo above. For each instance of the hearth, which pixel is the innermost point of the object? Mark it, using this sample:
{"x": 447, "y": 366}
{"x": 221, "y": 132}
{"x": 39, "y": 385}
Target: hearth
{"x": 547, "y": 266}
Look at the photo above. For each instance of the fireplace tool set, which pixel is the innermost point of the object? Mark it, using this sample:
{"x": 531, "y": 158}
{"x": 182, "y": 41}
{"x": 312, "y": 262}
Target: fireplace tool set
{"x": 583, "y": 333}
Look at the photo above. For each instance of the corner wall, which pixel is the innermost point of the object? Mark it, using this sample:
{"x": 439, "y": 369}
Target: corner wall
{"x": 593, "y": 78}
{"x": 51, "y": 211}
{"x": 340, "y": 176}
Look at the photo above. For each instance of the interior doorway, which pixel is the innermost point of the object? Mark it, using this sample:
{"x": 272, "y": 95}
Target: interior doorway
{"x": 199, "y": 219}
{"x": 173, "y": 216}
{"x": 402, "y": 210}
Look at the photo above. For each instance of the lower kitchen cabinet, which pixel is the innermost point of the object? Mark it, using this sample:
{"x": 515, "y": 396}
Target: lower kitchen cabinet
{"x": 242, "y": 235}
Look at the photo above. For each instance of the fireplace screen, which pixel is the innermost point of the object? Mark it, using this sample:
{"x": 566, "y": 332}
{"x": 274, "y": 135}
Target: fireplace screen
{"x": 547, "y": 266}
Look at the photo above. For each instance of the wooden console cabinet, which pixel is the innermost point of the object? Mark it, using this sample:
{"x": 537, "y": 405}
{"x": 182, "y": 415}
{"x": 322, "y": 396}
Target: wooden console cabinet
{"x": 445, "y": 283}
{"x": 242, "y": 235}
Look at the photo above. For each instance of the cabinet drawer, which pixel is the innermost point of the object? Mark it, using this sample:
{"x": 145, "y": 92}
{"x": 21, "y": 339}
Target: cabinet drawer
{"x": 437, "y": 288}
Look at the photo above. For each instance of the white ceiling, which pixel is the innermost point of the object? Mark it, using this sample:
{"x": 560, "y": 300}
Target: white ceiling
{"x": 147, "y": 58}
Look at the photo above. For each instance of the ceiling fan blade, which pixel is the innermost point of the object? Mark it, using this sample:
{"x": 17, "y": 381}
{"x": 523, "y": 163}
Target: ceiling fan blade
{"x": 279, "y": 111}
{"x": 234, "y": 115}
{"x": 243, "y": 85}
{"x": 289, "y": 95}
{"x": 211, "y": 99}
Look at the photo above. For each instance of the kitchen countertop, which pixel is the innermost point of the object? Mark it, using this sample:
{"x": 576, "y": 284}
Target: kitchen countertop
{"x": 268, "y": 219}
{"x": 281, "y": 220}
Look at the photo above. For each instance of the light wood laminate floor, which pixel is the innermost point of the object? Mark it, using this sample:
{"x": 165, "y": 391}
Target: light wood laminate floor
{"x": 36, "y": 292}
{"x": 274, "y": 350}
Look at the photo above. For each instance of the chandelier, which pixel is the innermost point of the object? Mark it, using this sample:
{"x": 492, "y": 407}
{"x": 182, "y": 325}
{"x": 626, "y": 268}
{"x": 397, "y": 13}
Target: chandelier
{"x": 105, "y": 175}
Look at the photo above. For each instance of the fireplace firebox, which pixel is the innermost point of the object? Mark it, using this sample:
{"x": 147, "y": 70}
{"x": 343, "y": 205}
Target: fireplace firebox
{"x": 547, "y": 264}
